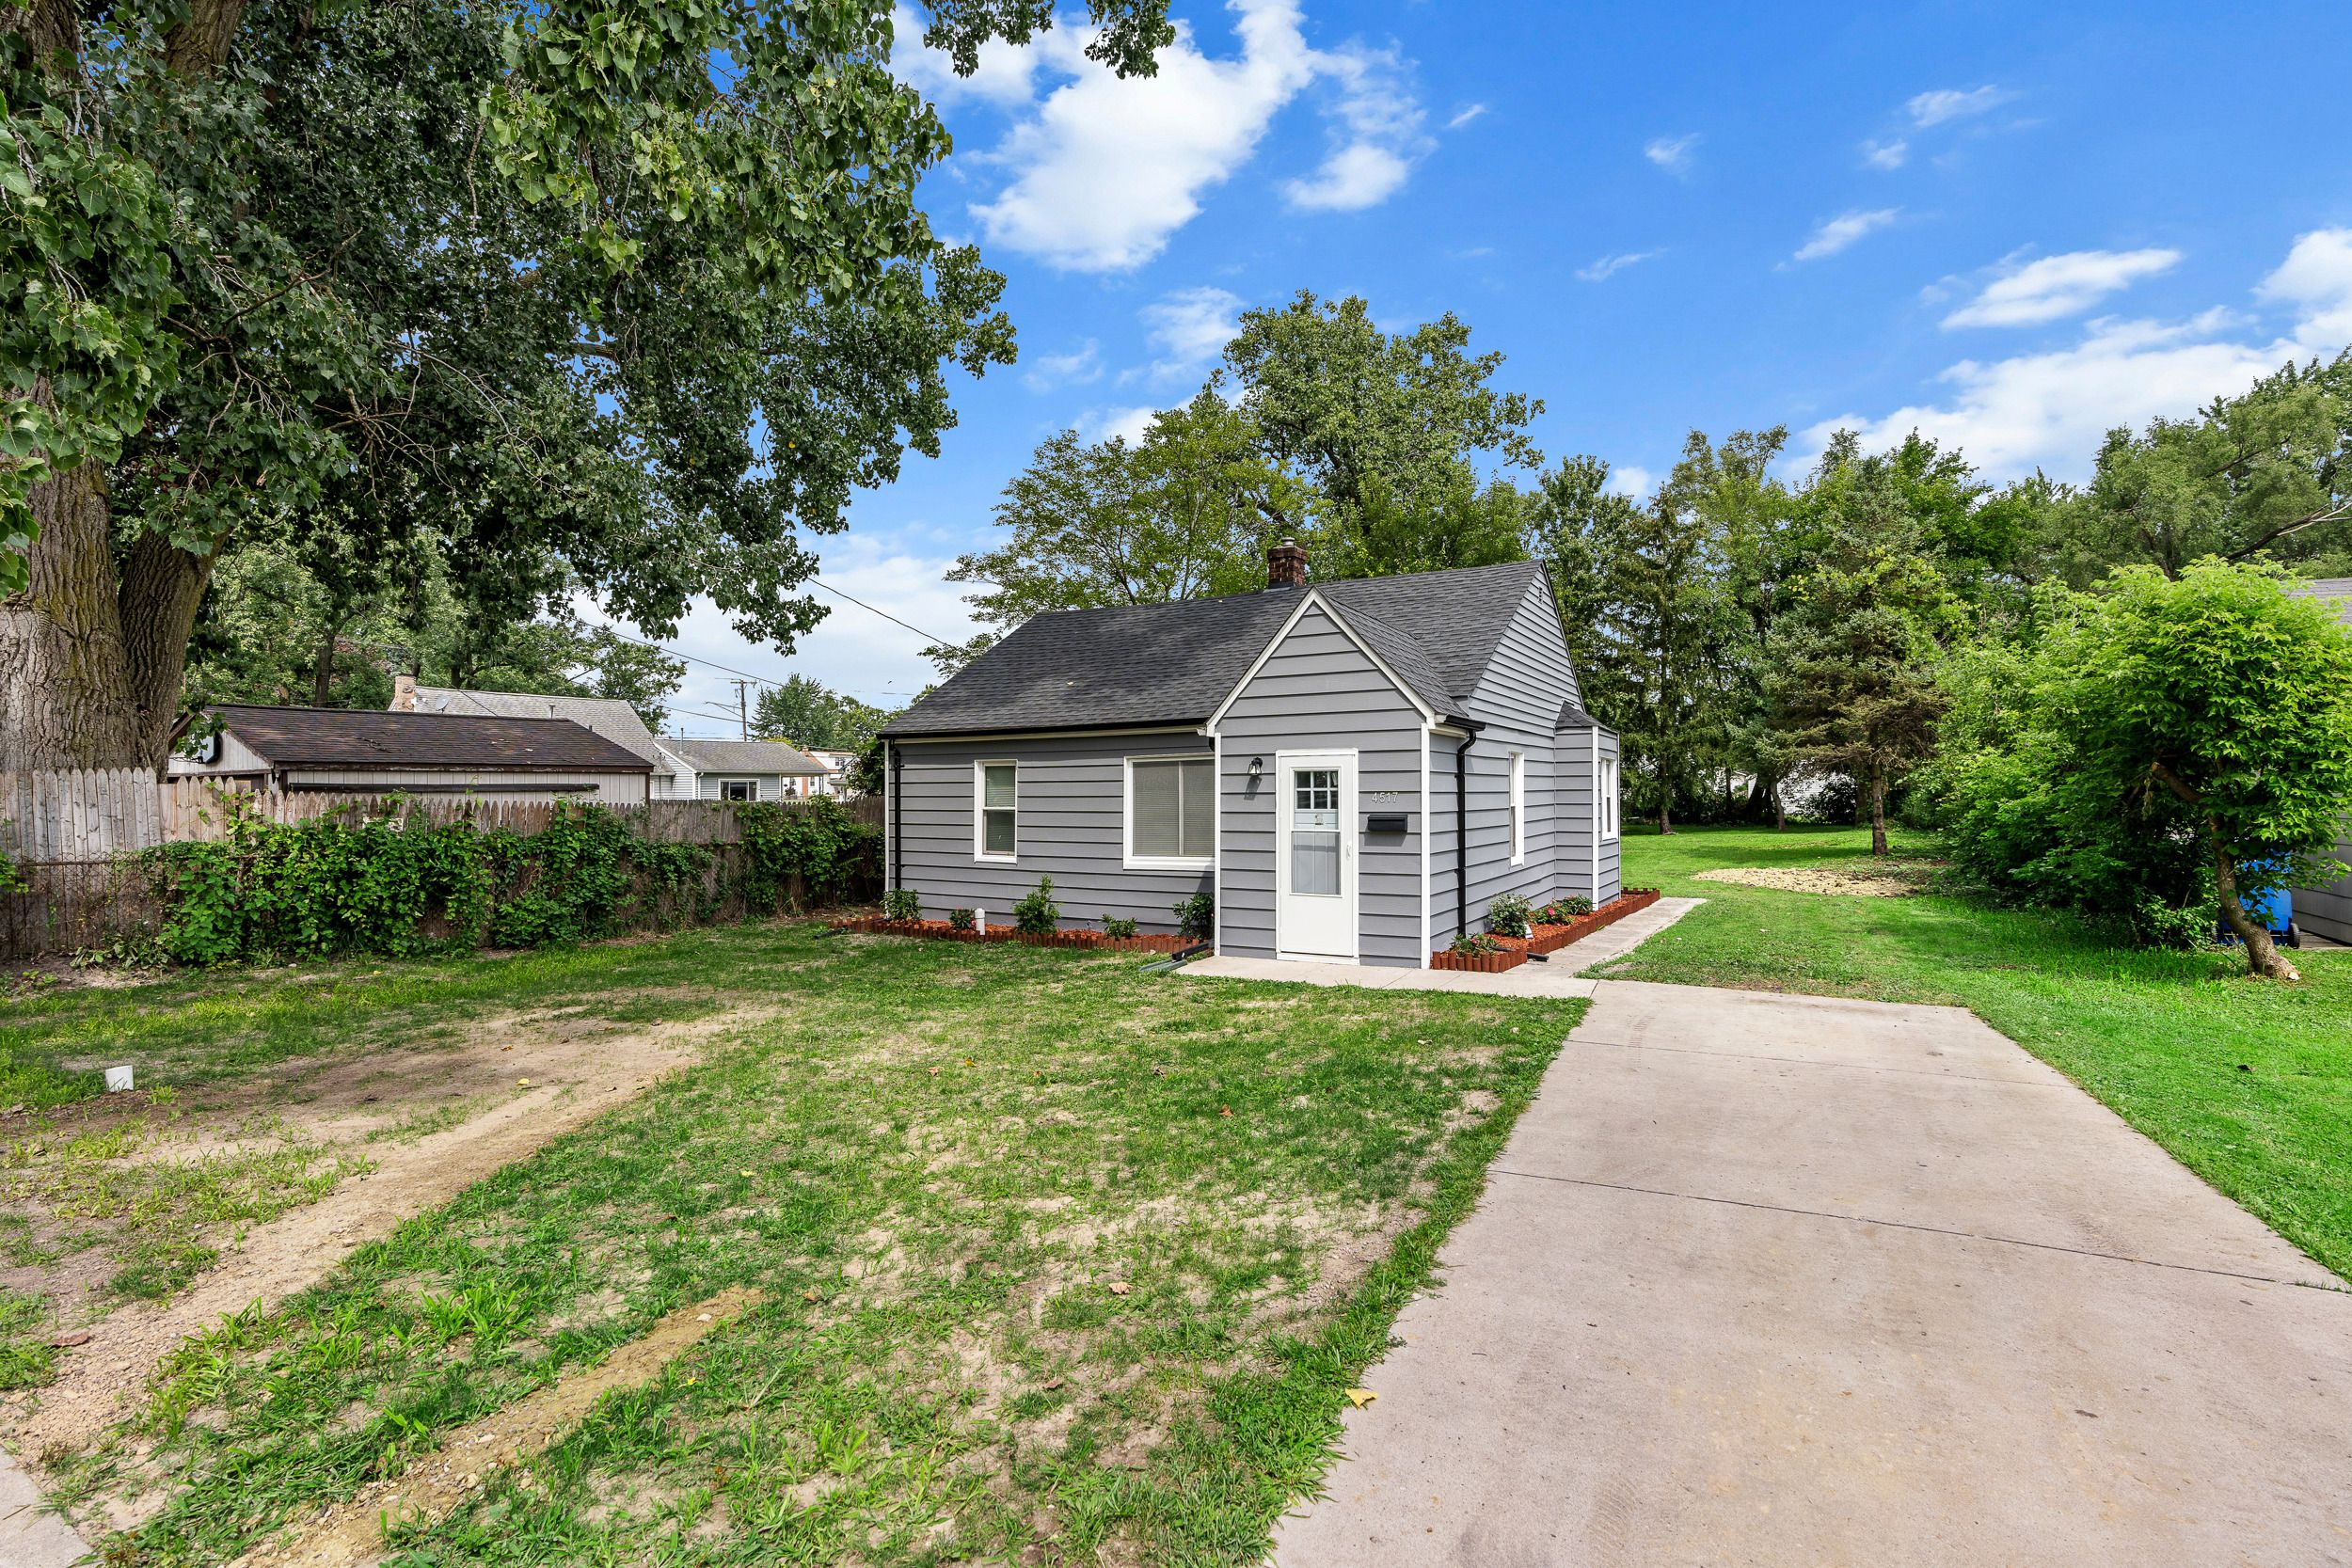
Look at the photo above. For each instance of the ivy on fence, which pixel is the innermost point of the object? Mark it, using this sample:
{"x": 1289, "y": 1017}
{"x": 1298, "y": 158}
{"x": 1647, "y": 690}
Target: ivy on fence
{"x": 396, "y": 884}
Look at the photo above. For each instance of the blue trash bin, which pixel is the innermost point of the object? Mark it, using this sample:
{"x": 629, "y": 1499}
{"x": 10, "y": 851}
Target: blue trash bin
{"x": 2273, "y": 908}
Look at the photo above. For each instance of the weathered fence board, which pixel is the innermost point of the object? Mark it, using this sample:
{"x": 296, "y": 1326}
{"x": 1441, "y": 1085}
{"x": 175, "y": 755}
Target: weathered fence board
{"x": 71, "y": 835}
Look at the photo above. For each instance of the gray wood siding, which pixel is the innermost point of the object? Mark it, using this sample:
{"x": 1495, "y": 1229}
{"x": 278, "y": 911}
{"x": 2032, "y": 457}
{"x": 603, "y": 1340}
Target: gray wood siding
{"x": 1320, "y": 691}
{"x": 1580, "y": 874}
{"x": 1072, "y": 795}
{"x": 1442, "y": 880}
{"x": 1518, "y": 699}
{"x": 2327, "y": 911}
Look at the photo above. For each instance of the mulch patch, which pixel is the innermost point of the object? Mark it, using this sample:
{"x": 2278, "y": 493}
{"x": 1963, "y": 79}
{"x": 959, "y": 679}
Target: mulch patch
{"x": 1546, "y": 939}
{"x": 939, "y": 931}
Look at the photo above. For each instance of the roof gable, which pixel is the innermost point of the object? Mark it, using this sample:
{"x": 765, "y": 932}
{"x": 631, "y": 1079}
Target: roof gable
{"x": 745, "y": 756}
{"x": 610, "y": 717}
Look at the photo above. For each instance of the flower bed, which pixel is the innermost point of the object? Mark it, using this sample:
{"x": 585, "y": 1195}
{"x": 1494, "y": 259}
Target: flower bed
{"x": 1546, "y": 939}
{"x": 939, "y": 931}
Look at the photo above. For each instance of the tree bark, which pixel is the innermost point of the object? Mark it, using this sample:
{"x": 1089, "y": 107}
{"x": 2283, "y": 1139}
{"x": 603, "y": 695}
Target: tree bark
{"x": 1878, "y": 814}
{"x": 2262, "y": 955}
{"x": 65, "y": 678}
{"x": 197, "y": 45}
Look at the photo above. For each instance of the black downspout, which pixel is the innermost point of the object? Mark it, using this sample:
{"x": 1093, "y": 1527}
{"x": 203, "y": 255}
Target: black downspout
{"x": 898, "y": 832}
{"x": 1461, "y": 835}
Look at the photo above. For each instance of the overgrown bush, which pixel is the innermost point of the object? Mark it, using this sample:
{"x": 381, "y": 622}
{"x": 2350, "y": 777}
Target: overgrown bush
{"x": 902, "y": 903}
{"x": 818, "y": 841}
{"x": 1507, "y": 915}
{"x": 1036, "y": 914}
{"x": 1117, "y": 926}
{"x": 961, "y": 920}
{"x": 1196, "y": 917}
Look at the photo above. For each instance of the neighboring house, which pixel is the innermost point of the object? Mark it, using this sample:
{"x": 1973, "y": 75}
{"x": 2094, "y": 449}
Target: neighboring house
{"x": 839, "y": 766}
{"x": 1351, "y": 770}
{"x": 734, "y": 770}
{"x": 301, "y": 749}
{"x": 2327, "y": 911}
{"x": 609, "y": 717}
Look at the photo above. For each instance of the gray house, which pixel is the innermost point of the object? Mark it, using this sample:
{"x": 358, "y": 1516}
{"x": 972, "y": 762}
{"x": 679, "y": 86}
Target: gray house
{"x": 2327, "y": 911}
{"x": 1350, "y": 769}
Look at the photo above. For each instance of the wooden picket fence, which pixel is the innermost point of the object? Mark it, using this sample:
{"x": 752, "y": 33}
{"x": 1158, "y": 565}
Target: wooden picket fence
{"x": 73, "y": 837}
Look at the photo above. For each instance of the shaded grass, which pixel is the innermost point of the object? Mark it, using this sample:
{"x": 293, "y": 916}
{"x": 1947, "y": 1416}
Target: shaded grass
{"x": 2247, "y": 1082}
{"x": 938, "y": 1168}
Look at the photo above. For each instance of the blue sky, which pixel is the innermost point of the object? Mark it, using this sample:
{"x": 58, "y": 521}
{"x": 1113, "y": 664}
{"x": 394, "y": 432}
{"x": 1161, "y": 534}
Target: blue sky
{"x": 2010, "y": 226}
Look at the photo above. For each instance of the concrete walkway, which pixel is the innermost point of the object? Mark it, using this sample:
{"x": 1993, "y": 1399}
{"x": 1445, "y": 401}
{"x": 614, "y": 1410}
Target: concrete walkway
{"x": 1771, "y": 1280}
{"x": 30, "y": 1536}
{"x": 1557, "y": 976}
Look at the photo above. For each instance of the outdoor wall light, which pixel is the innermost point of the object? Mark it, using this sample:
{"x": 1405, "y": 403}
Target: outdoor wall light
{"x": 1257, "y": 767}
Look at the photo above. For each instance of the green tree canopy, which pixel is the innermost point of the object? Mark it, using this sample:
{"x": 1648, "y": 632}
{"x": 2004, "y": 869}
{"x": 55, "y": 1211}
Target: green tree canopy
{"x": 807, "y": 713}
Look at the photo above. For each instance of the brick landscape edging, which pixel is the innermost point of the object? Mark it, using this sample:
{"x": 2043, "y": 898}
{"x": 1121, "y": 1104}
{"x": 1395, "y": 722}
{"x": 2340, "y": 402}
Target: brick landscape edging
{"x": 1546, "y": 939}
{"x": 939, "y": 931}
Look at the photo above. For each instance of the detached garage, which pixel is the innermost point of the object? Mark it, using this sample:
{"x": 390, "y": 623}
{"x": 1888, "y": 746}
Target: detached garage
{"x": 293, "y": 749}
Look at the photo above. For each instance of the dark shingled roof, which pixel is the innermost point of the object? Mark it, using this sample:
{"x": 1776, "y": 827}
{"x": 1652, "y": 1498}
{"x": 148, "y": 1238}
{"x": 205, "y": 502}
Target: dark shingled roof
{"x": 1575, "y": 718}
{"x": 1173, "y": 663}
{"x": 333, "y": 737}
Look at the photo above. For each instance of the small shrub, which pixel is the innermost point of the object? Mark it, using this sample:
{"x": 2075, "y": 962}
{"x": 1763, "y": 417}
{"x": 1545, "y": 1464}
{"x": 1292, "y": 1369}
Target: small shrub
{"x": 1561, "y": 910}
{"x": 960, "y": 920}
{"x": 1507, "y": 915}
{"x": 1473, "y": 943}
{"x": 1196, "y": 917}
{"x": 1036, "y": 914}
{"x": 902, "y": 903}
{"x": 1113, "y": 926}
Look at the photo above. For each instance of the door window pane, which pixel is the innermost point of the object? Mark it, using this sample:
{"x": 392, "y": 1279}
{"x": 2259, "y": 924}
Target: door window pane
{"x": 1315, "y": 831}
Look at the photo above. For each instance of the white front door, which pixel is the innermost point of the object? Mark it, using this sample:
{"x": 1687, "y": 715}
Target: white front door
{"x": 1315, "y": 854}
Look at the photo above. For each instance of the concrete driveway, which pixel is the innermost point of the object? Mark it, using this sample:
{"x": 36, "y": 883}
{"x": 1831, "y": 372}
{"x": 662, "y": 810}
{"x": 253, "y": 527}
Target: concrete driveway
{"x": 1779, "y": 1280}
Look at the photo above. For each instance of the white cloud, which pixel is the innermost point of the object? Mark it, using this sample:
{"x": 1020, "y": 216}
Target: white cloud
{"x": 1376, "y": 136}
{"x": 1079, "y": 367}
{"x": 2050, "y": 410}
{"x": 1101, "y": 172}
{"x": 1631, "y": 479}
{"x": 1609, "y": 266}
{"x": 1673, "y": 153}
{"x": 1945, "y": 103}
{"x": 1464, "y": 115}
{"x": 1885, "y": 154}
{"x": 2056, "y": 286}
{"x": 1191, "y": 327}
{"x": 1007, "y": 75}
{"x": 1127, "y": 424}
{"x": 1843, "y": 230}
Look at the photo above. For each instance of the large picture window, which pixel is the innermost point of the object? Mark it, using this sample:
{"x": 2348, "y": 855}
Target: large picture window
{"x": 997, "y": 797}
{"x": 1172, "y": 811}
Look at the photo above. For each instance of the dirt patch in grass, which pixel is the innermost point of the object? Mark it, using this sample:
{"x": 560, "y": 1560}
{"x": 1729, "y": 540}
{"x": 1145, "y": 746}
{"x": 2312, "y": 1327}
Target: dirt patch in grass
{"x": 556, "y": 1084}
{"x": 351, "y": 1532}
{"x": 1893, "y": 880}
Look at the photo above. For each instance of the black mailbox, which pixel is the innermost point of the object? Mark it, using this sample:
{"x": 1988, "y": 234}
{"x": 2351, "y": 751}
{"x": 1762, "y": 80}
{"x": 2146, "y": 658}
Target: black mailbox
{"x": 1384, "y": 822}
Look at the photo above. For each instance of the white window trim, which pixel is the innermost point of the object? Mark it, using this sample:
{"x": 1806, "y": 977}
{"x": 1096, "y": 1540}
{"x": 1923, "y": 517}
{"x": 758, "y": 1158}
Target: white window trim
{"x": 1519, "y": 808}
{"x": 1128, "y": 857}
{"x": 752, "y": 784}
{"x": 979, "y": 810}
{"x": 1605, "y": 794}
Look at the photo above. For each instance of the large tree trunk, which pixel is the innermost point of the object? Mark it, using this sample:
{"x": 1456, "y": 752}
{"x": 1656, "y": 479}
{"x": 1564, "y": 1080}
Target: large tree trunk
{"x": 1878, "y": 814}
{"x": 2262, "y": 955}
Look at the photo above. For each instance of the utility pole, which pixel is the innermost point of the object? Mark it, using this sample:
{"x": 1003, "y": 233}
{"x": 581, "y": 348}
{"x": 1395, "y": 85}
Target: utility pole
{"x": 743, "y": 713}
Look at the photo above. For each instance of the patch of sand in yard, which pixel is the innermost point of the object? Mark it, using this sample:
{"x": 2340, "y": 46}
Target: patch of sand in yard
{"x": 350, "y": 1533}
{"x": 1815, "y": 879}
{"x": 569, "y": 1082}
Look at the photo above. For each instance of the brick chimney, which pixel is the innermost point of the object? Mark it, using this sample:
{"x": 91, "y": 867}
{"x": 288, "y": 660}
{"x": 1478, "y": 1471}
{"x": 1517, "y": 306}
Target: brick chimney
{"x": 404, "y": 693}
{"x": 1286, "y": 565}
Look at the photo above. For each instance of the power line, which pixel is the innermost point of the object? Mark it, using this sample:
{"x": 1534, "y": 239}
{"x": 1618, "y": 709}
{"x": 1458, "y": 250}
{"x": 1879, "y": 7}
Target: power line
{"x": 883, "y": 613}
{"x": 763, "y": 680}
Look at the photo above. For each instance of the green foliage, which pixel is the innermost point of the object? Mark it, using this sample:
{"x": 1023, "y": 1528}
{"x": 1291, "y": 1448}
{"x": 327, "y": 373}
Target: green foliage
{"x": 804, "y": 712}
{"x": 396, "y": 886}
{"x": 1035, "y": 913}
{"x": 962, "y": 919}
{"x": 1507, "y": 915}
{"x": 1115, "y": 926}
{"x": 1474, "y": 945}
{"x": 904, "y": 903}
{"x": 815, "y": 840}
{"x": 1196, "y": 917}
{"x": 11, "y": 880}
{"x": 866, "y": 776}
{"x": 2168, "y": 741}
{"x": 1561, "y": 910}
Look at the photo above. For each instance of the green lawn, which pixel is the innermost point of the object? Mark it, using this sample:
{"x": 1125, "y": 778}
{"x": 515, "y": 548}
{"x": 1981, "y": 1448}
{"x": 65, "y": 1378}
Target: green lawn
{"x": 2247, "y": 1083}
{"x": 937, "y": 1160}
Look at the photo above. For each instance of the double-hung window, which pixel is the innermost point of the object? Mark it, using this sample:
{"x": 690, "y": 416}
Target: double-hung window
{"x": 996, "y": 814}
{"x": 1606, "y": 807}
{"x": 739, "y": 789}
{"x": 1519, "y": 808}
{"x": 1171, "y": 812}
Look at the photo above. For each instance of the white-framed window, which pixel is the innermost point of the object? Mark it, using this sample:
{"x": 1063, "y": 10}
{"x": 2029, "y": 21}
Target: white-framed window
{"x": 995, "y": 811}
{"x": 739, "y": 789}
{"x": 1170, "y": 816}
{"x": 1519, "y": 808}
{"x": 1605, "y": 786}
